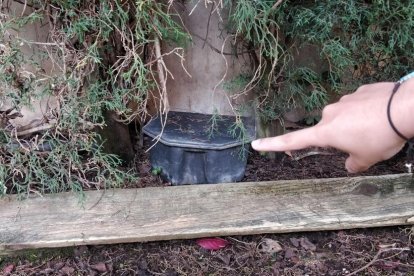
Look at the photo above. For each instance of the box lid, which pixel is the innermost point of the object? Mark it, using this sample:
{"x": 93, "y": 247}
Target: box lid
{"x": 194, "y": 130}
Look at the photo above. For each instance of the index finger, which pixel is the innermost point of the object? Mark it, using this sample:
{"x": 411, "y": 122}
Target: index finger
{"x": 291, "y": 141}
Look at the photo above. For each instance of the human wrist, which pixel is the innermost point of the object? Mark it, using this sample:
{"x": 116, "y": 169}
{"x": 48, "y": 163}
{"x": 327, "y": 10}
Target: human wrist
{"x": 402, "y": 110}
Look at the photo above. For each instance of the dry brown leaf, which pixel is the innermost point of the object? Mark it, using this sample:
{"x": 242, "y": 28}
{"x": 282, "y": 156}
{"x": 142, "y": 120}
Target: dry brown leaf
{"x": 100, "y": 267}
{"x": 295, "y": 242}
{"x": 67, "y": 270}
{"x": 307, "y": 245}
{"x": 271, "y": 246}
{"x": 290, "y": 253}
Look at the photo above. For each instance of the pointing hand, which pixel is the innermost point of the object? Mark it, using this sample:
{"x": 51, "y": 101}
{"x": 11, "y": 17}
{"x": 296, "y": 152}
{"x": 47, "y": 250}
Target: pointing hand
{"x": 357, "y": 125}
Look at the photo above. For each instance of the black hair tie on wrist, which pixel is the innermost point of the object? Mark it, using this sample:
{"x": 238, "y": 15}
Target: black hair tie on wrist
{"x": 410, "y": 142}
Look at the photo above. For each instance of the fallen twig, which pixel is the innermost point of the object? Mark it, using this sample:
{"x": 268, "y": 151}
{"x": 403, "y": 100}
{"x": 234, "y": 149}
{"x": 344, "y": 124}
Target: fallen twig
{"x": 310, "y": 153}
{"x": 33, "y": 130}
{"x": 376, "y": 258}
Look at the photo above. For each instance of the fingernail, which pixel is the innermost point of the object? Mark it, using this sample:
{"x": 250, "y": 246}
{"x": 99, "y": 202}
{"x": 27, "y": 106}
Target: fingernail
{"x": 255, "y": 143}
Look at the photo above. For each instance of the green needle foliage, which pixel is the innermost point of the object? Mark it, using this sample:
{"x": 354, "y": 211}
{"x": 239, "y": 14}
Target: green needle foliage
{"x": 103, "y": 50}
{"x": 359, "y": 41}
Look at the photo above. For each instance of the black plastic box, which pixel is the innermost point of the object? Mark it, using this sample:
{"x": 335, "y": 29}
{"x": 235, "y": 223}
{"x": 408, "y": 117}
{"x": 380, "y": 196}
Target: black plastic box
{"x": 189, "y": 153}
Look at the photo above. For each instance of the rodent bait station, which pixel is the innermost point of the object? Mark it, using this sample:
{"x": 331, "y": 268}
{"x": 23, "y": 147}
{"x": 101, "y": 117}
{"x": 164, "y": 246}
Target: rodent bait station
{"x": 187, "y": 152}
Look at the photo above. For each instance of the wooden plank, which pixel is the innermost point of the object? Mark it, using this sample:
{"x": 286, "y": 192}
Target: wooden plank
{"x": 148, "y": 214}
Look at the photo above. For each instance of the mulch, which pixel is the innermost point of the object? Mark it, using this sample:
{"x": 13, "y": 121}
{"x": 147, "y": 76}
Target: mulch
{"x": 328, "y": 164}
{"x": 373, "y": 251}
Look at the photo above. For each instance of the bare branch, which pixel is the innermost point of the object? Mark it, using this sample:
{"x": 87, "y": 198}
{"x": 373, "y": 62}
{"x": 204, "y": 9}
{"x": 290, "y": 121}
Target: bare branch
{"x": 35, "y": 129}
{"x": 161, "y": 76}
{"x": 277, "y": 4}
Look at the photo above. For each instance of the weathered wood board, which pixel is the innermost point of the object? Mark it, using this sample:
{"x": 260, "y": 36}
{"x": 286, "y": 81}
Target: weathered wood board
{"x": 148, "y": 214}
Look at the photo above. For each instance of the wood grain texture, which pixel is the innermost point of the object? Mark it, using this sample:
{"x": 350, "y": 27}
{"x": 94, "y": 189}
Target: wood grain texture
{"x": 181, "y": 212}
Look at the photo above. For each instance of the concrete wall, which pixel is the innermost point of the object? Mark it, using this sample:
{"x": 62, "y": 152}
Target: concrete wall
{"x": 37, "y": 32}
{"x": 206, "y": 66}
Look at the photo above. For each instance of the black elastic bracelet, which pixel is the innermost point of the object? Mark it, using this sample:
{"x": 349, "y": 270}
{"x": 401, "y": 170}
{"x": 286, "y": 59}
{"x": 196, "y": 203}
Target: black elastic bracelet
{"x": 410, "y": 149}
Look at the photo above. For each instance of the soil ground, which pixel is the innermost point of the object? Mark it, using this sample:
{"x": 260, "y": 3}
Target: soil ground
{"x": 375, "y": 251}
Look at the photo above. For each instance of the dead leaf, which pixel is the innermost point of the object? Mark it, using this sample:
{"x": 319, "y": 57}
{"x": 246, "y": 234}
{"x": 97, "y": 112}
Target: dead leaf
{"x": 212, "y": 243}
{"x": 8, "y": 269}
{"x": 58, "y": 265}
{"x": 67, "y": 270}
{"x": 294, "y": 259}
{"x": 271, "y": 246}
{"x": 295, "y": 242}
{"x": 100, "y": 267}
{"x": 290, "y": 253}
{"x": 225, "y": 258}
{"x": 307, "y": 245}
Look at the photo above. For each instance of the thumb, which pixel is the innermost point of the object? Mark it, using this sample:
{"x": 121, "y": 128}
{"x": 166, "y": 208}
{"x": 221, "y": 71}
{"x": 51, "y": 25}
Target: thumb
{"x": 291, "y": 141}
{"x": 354, "y": 164}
